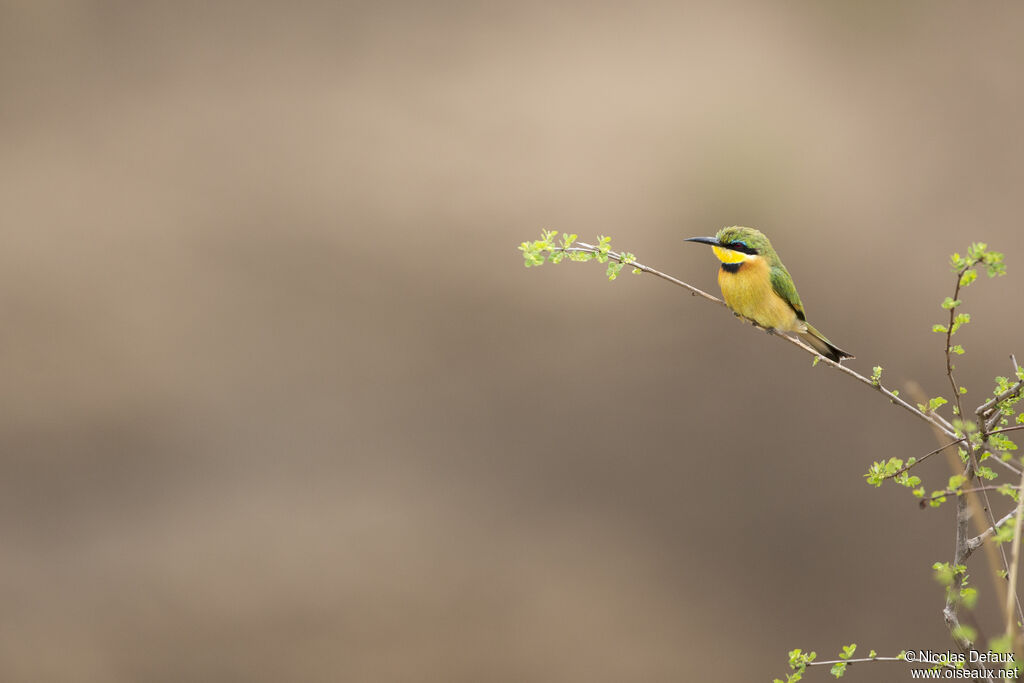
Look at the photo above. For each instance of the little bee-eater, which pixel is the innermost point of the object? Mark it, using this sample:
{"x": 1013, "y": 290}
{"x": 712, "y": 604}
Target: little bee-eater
{"x": 758, "y": 287}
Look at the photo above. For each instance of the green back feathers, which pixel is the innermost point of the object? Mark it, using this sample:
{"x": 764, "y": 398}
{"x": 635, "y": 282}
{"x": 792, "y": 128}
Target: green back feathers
{"x": 753, "y": 241}
{"x": 783, "y": 285}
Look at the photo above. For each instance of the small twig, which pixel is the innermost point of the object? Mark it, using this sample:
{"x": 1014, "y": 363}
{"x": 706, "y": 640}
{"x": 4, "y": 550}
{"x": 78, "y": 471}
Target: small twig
{"x": 949, "y": 337}
{"x": 988, "y": 406}
{"x": 1005, "y": 465}
{"x": 923, "y": 458}
{"x": 946, "y": 493}
{"x": 975, "y": 543}
{"x": 583, "y": 247}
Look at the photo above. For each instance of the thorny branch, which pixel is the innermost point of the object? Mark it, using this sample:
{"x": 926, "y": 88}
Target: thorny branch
{"x": 930, "y": 417}
{"x": 976, "y": 542}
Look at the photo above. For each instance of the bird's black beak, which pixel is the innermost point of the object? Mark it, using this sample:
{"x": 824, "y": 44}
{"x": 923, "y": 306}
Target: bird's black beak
{"x": 703, "y": 240}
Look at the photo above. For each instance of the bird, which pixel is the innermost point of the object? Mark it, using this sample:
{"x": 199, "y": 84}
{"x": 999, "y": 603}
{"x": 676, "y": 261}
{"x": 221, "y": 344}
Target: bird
{"x": 756, "y": 286}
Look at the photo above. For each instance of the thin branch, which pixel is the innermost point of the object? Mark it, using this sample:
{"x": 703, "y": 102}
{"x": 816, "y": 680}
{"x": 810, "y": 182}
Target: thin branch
{"x": 583, "y": 247}
{"x": 923, "y": 458}
{"x": 930, "y": 417}
{"x": 949, "y": 336}
{"x": 1005, "y": 464}
{"x": 975, "y": 543}
{"x": 1014, "y": 390}
{"x": 946, "y": 493}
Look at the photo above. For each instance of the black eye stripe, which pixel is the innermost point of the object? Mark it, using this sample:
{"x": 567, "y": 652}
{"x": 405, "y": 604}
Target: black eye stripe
{"x": 739, "y": 246}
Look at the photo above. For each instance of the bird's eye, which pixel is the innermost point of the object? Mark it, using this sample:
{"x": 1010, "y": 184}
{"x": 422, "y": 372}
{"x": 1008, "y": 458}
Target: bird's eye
{"x": 741, "y": 247}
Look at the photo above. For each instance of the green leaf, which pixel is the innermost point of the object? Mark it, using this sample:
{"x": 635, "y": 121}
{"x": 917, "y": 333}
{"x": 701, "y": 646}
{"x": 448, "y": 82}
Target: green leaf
{"x": 956, "y": 481}
{"x": 933, "y": 404}
{"x": 968, "y": 277}
{"x": 799, "y": 659}
{"x": 1002, "y": 442}
{"x": 986, "y": 472}
{"x": 976, "y": 250}
{"x": 960, "y": 320}
{"x": 875, "y": 475}
{"x": 1004, "y": 534}
{"x": 581, "y": 256}
{"x": 969, "y": 597}
{"x": 943, "y": 573}
{"x": 876, "y": 374}
{"x": 940, "y": 329}
{"x": 838, "y": 669}
{"x": 1009, "y": 491}
{"x": 879, "y": 471}
{"x": 994, "y": 265}
{"x": 950, "y": 302}
{"x": 613, "y": 269}
{"x": 908, "y": 480}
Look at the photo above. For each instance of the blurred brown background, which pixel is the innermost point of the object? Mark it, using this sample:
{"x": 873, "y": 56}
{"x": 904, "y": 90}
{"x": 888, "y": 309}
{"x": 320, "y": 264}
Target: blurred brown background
{"x": 281, "y": 403}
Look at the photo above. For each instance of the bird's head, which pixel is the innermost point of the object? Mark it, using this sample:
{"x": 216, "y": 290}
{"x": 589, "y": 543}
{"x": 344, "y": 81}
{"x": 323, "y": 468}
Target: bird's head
{"x": 737, "y": 244}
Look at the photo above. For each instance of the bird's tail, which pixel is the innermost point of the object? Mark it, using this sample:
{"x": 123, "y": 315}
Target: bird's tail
{"x": 822, "y": 345}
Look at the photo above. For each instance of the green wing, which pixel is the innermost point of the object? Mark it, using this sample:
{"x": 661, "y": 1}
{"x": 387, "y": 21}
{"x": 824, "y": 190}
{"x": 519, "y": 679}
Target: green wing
{"x": 783, "y": 285}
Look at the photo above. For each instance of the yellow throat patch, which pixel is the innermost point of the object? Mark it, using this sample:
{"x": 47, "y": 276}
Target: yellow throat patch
{"x": 728, "y": 255}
